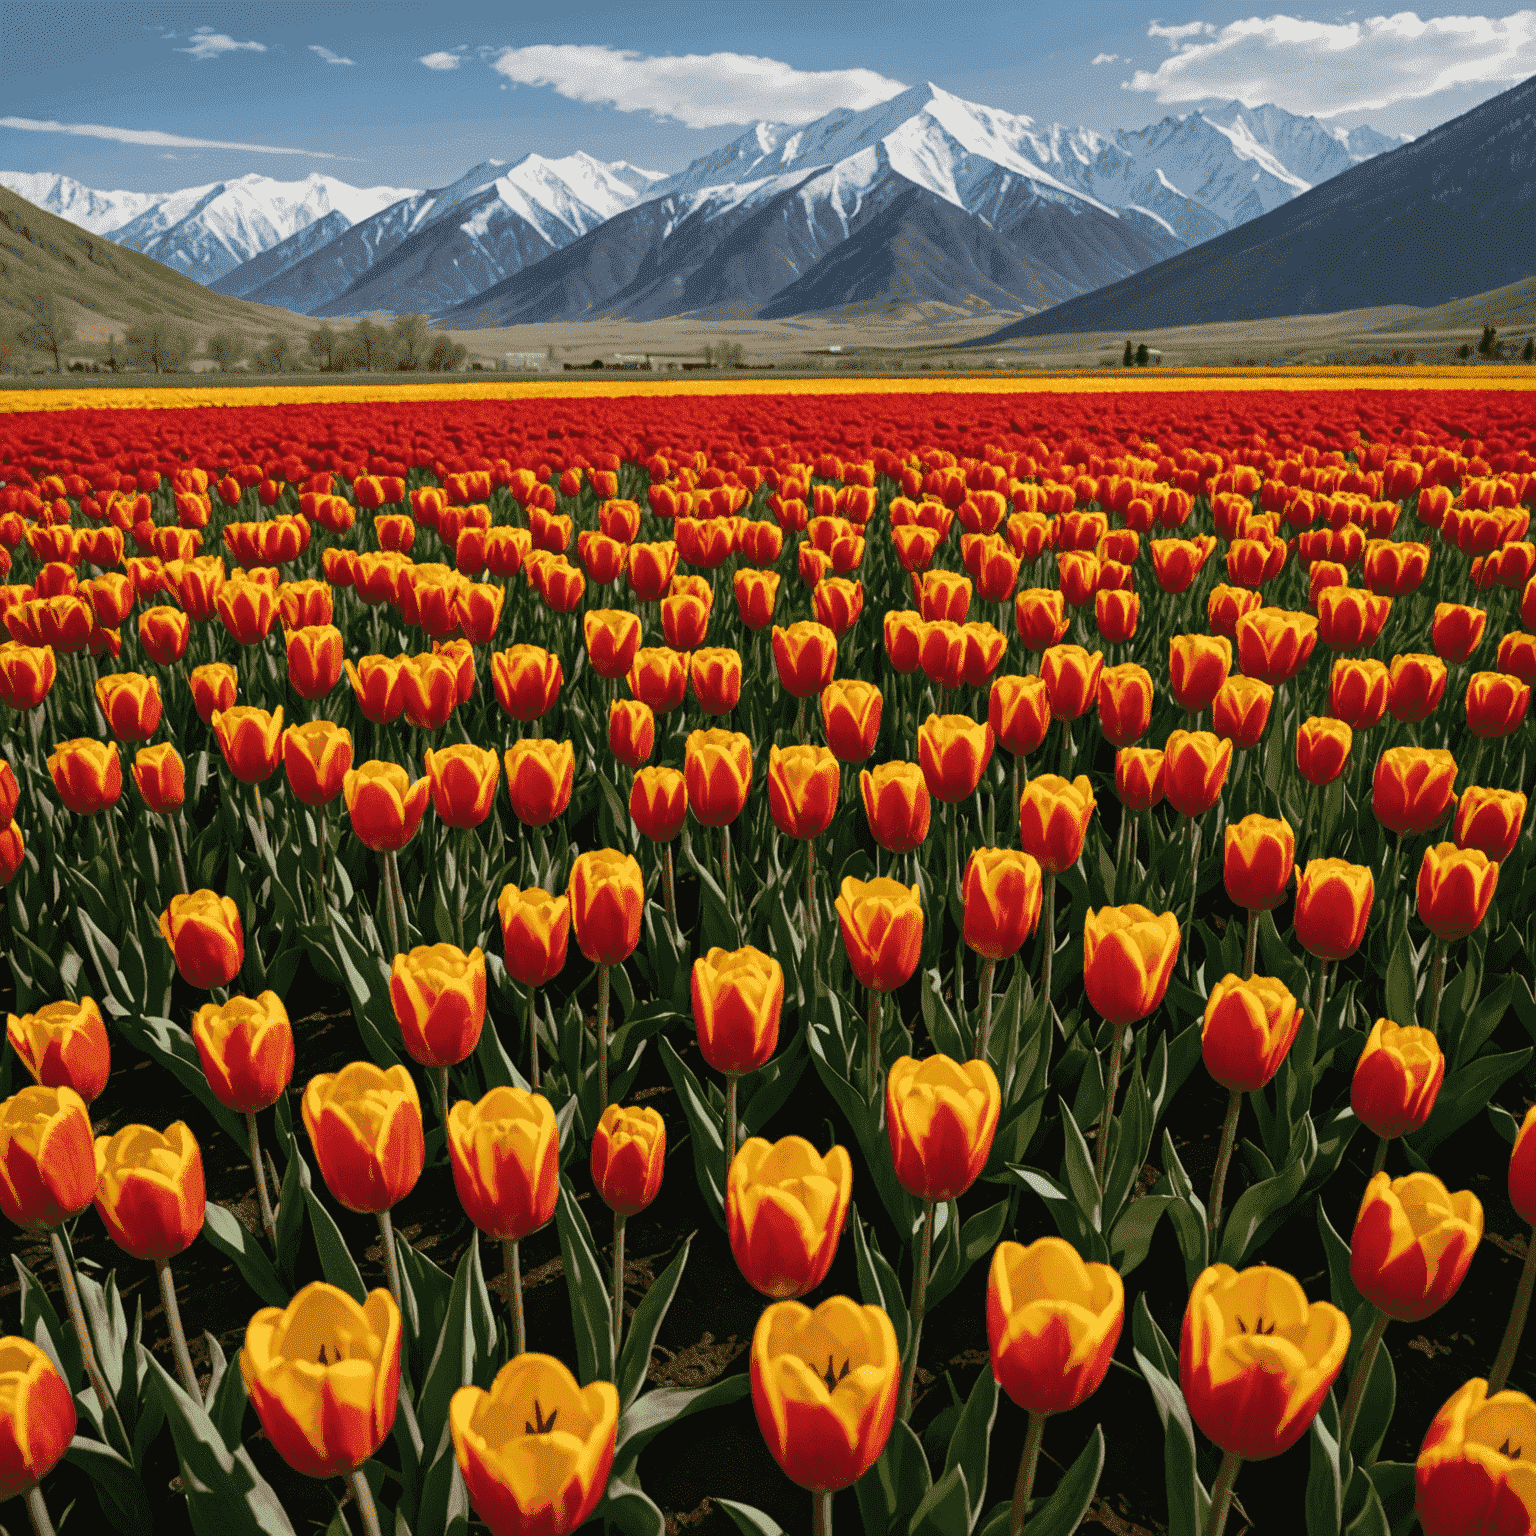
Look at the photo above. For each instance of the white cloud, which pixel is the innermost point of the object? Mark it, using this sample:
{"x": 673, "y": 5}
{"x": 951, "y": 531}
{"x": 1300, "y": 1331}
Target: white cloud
{"x": 208, "y": 44}
{"x": 440, "y": 60}
{"x": 1174, "y": 36}
{"x": 152, "y": 138}
{"x": 1106, "y": 58}
{"x": 327, "y": 55}
{"x": 700, "y": 90}
{"x": 1326, "y": 68}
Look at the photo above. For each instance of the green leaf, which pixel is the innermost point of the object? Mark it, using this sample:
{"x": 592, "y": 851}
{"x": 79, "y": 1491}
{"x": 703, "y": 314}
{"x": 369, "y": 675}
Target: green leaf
{"x": 943, "y": 1028}
{"x": 1402, "y": 982}
{"x": 749, "y": 1520}
{"x": 425, "y": 1293}
{"x": 444, "y": 1502}
{"x": 978, "y": 1237}
{"x": 118, "y": 1487}
{"x": 631, "y": 1510}
{"x": 1063, "y": 1512}
{"x": 1069, "y": 1219}
{"x": 1257, "y": 1204}
{"x": 1325, "y": 1492}
{"x": 704, "y": 1132}
{"x": 226, "y": 1495}
{"x": 590, "y": 1315}
{"x": 224, "y": 1232}
{"x": 227, "y": 1402}
{"x": 1341, "y": 1287}
{"x": 969, "y": 1444}
{"x": 1079, "y": 1169}
{"x": 1188, "y": 1502}
{"x": 944, "y": 1509}
{"x": 1465, "y": 1092}
{"x": 1380, "y": 1395}
{"x": 897, "y": 1483}
{"x": 41, "y": 1324}
{"x": 336, "y": 1259}
{"x": 878, "y": 1285}
{"x": 1130, "y": 1240}
{"x": 663, "y": 1407}
{"x": 466, "y": 1347}
{"x": 635, "y": 1357}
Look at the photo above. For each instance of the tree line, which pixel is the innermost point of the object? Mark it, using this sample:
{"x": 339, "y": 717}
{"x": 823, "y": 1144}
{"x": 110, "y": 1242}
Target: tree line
{"x": 409, "y": 344}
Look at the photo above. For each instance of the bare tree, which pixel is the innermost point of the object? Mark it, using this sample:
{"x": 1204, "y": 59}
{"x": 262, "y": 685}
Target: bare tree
{"x": 226, "y": 348}
{"x": 411, "y": 336}
{"x": 157, "y": 347}
{"x": 321, "y": 344}
{"x": 46, "y": 326}
{"x": 276, "y": 355}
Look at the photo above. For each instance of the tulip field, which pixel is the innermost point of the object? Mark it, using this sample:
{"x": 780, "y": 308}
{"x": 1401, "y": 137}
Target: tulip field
{"x": 907, "y": 960}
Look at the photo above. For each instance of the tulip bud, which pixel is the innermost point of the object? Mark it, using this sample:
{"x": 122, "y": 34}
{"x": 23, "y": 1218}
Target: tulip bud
{"x": 203, "y": 930}
{"x": 63, "y": 1045}
{"x": 629, "y": 1151}
{"x": 1455, "y": 890}
{"x": 385, "y": 808}
{"x": 438, "y": 995}
{"x": 940, "y": 1117}
{"x": 1139, "y": 778}
{"x": 882, "y": 927}
{"x": 1248, "y": 1028}
{"x": 785, "y": 1206}
{"x": 1128, "y": 958}
{"x": 1195, "y": 765}
{"x": 1333, "y": 905}
{"x": 37, "y": 1417}
{"x": 1260, "y": 860}
{"x": 1323, "y": 746}
{"x": 87, "y": 774}
{"x": 505, "y": 1153}
{"x": 896, "y": 805}
{"x": 607, "y": 896}
{"x": 365, "y": 1126}
{"x": 246, "y": 1048}
{"x": 47, "y": 1163}
{"x": 1490, "y": 820}
{"x": 1415, "y": 686}
{"x": 150, "y": 1193}
{"x": 1002, "y": 893}
{"x": 1397, "y": 1079}
{"x": 1413, "y": 1244}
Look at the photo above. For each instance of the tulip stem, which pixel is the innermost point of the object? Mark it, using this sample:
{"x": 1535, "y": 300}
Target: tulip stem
{"x": 1380, "y": 1160}
{"x": 1048, "y": 943}
{"x": 116, "y": 857}
{"x": 1362, "y": 1376}
{"x": 668, "y": 889}
{"x": 1251, "y": 949}
{"x": 1319, "y": 995}
{"x": 1024, "y": 1484}
{"x": 1221, "y": 1492}
{"x": 983, "y": 1034}
{"x": 263, "y": 1199}
{"x": 389, "y": 903}
{"x": 367, "y": 1513}
{"x": 821, "y": 1514}
{"x": 1436, "y": 987}
{"x": 725, "y": 865}
{"x": 800, "y": 723}
{"x": 1194, "y": 891}
{"x": 1223, "y": 1158}
{"x": 443, "y": 1090}
{"x": 82, "y": 1335}
{"x": 261, "y": 813}
{"x": 181, "y": 868}
{"x": 1111, "y": 1083}
{"x": 602, "y": 1037}
{"x": 1516, "y": 1325}
{"x": 919, "y": 1301}
{"x": 512, "y": 1268}
{"x": 178, "y": 1334}
{"x": 533, "y": 1038}
{"x": 872, "y": 1061}
{"x": 730, "y": 1126}
{"x": 618, "y": 1288}
{"x": 391, "y": 1259}
{"x": 1018, "y": 792}
{"x": 810, "y": 893}
{"x": 37, "y": 1511}
{"x": 322, "y": 840}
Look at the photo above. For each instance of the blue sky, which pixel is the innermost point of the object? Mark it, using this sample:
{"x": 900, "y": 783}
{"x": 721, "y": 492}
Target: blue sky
{"x": 413, "y": 94}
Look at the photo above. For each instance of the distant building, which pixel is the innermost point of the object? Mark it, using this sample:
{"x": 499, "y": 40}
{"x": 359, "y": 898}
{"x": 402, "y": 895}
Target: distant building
{"x": 528, "y": 362}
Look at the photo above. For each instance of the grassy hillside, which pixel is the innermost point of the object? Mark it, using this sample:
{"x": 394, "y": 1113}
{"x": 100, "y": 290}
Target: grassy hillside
{"x": 106, "y": 288}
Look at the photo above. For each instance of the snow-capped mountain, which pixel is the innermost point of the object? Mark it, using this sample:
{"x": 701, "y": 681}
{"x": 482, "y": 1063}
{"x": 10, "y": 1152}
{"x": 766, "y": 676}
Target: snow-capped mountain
{"x": 1080, "y": 209}
{"x": 99, "y": 212}
{"x": 205, "y": 232}
{"x": 451, "y": 242}
{"x": 1310, "y": 149}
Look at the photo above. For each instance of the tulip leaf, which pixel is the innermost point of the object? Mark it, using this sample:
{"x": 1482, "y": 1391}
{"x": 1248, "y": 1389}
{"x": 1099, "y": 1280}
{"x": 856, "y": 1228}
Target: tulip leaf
{"x": 1463, "y": 1093}
{"x": 466, "y": 1346}
{"x": 226, "y": 1495}
{"x": 878, "y": 1285}
{"x": 336, "y": 1261}
{"x": 1393, "y": 1482}
{"x": 227, "y": 1399}
{"x": 704, "y": 1131}
{"x": 1380, "y": 1397}
{"x": 171, "y": 1046}
{"x": 291, "y": 1206}
{"x": 1130, "y": 1239}
{"x": 662, "y": 1407}
{"x": 1135, "y": 1123}
{"x": 119, "y": 1488}
{"x": 1063, "y": 1512}
{"x": 444, "y": 1502}
{"x": 1341, "y": 1287}
{"x": 1069, "y": 1219}
{"x": 968, "y": 1243}
{"x": 969, "y": 1444}
{"x": 231, "y": 1239}
{"x": 631, "y": 1510}
{"x": 1402, "y": 982}
{"x": 635, "y": 1357}
{"x": 899, "y": 1481}
{"x": 1372, "y": 1517}
{"x": 591, "y": 1318}
{"x": 366, "y": 978}
{"x": 426, "y": 1292}
{"x": 943, "y": 1028}
{"x": 771, "y": 1085}
{"x": 1188, "y": 1502}
{"x": 944, "y": 1509}
{"x": 1325, "y": 1491}
{"x": 42, "y": 1325}
{"x": 1079, "y": 1170}
{"x": 753, "y": 1522}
